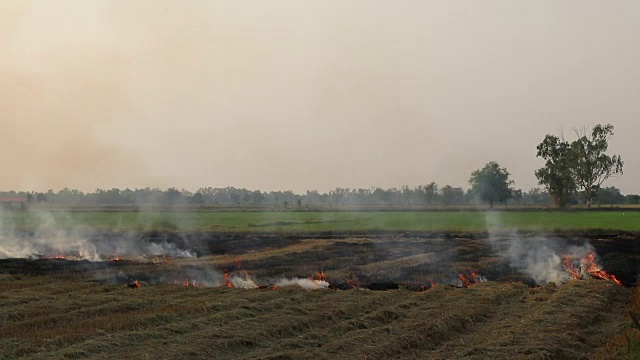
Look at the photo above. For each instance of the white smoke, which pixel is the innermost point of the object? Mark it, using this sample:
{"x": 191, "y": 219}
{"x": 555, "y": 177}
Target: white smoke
{"x": 539, "y": 257}
{"x": 308, "y": 284}
{"x": 168, "y": 249}
{"x": 50, "y": 236}
{"x": 243, "y": 283}
{"x": 536, "y": 259}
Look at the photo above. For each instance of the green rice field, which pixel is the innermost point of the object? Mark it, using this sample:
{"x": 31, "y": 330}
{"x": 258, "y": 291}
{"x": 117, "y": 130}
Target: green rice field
{"x": 325, "y": 221}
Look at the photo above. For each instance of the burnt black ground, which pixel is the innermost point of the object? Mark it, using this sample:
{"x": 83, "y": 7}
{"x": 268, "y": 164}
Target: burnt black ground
{"x": 414, "y": 260}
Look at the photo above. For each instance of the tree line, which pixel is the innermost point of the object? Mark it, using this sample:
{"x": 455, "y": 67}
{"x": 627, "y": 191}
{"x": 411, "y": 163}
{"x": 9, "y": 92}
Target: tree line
{"x": 573, "y": 173}
{"x": 572, "y": 170}
{"x": 424, "y": 195}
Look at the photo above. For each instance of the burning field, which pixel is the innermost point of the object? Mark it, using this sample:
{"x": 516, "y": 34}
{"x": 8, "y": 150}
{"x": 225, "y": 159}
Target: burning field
{"x": 412, "y": 295}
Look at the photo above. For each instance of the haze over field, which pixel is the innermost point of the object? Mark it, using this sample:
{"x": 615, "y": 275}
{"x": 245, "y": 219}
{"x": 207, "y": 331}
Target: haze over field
{"x": 294, "y": 95}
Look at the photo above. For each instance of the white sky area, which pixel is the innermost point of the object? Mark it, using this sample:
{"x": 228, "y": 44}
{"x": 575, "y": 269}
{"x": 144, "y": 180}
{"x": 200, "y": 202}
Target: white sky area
{"x": 299, "y": 95}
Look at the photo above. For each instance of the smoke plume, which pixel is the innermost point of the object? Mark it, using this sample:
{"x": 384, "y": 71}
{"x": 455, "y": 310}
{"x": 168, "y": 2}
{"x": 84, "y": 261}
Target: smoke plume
{"x": 538, "y": 257}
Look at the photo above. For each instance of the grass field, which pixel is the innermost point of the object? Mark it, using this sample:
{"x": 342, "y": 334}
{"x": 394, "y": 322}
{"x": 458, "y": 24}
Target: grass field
{"x": 294, "y": 222}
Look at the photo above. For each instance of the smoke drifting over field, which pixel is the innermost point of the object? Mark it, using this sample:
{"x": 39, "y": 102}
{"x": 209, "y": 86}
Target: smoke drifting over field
{"x": 310, "y": 284}
{"x": 543, "y": 258}
{"x": 134, "y": 94}
{"x": 51, "y": 240}
{"x": 240, "y": 259}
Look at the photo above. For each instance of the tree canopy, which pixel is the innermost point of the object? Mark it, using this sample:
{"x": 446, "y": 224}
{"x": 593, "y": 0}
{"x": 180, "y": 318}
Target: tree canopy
{"x": 592, "y": 166}
{"x": 556, "y": 175}
{"x": 580, "y": 165}
{"x": 491, "y": 183}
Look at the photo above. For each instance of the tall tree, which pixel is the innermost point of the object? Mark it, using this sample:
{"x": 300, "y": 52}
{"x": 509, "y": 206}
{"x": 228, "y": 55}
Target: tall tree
{"x": 557, "y": 174}
{"x": 491, "y": 183}
{"x": 592, "y": 165}
{"x": 580, "y": 165}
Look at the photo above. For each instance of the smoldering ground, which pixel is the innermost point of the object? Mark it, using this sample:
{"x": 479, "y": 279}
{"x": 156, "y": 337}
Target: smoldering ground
{"x": 541, "y": 257}
{"x": 51, "y": 239}
{"x": 414, "y": 259}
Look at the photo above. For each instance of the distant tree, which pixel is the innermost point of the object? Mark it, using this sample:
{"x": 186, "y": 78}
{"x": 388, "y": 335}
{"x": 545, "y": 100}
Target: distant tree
{"x": 407, "y": 194}
{"x": 592, "y": 166}
{"x": 452, "y": 195}
{"x": 516, "y": 196}
{"x": 491, "y": 183}
{"x": 610, "y": 196}
{"x": 536, "y": 196}
{"x": 632, "y": 199}
{"x": 557, "y": 174}
{"x": 172, "y": 196}
{"x": 382, "y": 196}
{"x": 430, "y": 193}
{"x": 198, "y": 198}
{"x": 336, "y": 196}
{"x": 257, "y": 198}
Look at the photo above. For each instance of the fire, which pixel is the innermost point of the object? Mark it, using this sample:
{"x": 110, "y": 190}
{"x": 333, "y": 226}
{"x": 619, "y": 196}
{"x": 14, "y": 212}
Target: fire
{"x": 320, "y": 276}
{"x": 589, "y": 265}
{"x": 352, "y": 284}
{"x": 567, "y": 263}
{"x": 60, "y": 255}
{"x": 227, "y": 280}
{"x": 134, "y": 284}
{"x": 469, "y": 279}
{"x": 57, "y": 255}
{"x": 188, "y": 283}
{"x": 115, "y": 258}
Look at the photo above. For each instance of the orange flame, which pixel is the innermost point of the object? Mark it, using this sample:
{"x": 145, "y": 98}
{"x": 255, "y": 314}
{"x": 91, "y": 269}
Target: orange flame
{"x": 590, "y": 266}
{"x": 57, "y": 255}
{"x": 134, "y": 284}
{"x": 567, "y": 263}
{"x": 227, "y": 280}
{"x": 353, "y": 284}
{"x": 468, "y": 279}
{"x": 320, "y": 276}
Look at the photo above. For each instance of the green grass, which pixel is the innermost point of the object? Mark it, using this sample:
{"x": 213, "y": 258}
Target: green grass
{"x": 292, "y": 222}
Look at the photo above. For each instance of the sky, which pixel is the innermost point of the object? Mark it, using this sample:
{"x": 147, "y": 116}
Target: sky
{"x": 297, "y": 95}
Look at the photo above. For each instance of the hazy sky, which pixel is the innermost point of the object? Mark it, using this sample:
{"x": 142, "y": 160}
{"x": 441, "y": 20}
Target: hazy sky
{"x": 303, "y": 95}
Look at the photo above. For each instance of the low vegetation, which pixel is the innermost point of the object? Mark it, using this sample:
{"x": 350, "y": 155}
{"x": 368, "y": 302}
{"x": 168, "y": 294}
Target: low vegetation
{"x": 297, "y": 222}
